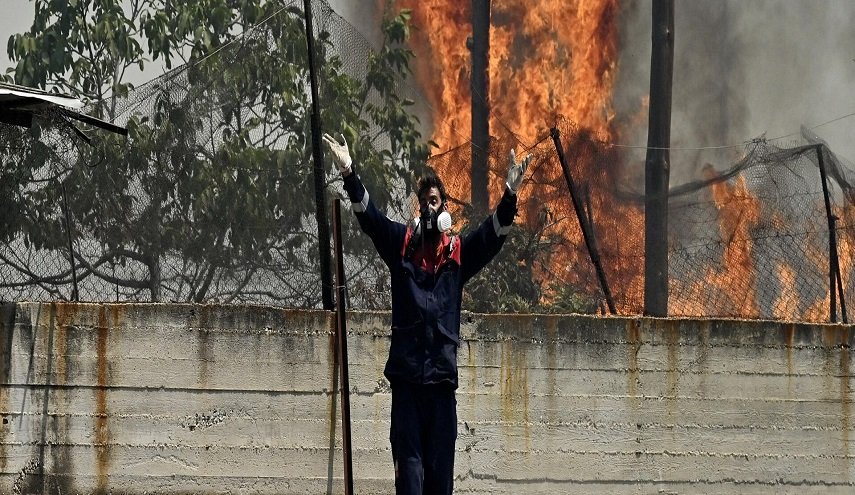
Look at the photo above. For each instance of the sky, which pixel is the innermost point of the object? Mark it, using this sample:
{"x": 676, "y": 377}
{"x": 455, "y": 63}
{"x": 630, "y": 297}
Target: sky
{"x": 18, "y": 17}
{"x": 774, "y": 65}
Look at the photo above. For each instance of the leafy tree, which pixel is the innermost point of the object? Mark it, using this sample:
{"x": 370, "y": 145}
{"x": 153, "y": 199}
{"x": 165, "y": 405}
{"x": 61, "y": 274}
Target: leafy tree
{"x": 211, "y": 189}
{"x": 82, "y": 47}
{"x": 509, "y": 284}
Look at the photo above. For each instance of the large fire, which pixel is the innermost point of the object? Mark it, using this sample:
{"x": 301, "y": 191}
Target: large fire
{"x": 556, "y": 61}
{"x": 547, "y": 58}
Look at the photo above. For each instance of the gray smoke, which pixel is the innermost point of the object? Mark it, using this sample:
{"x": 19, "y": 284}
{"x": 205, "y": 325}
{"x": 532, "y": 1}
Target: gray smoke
{"x": 741, "y": 70}
{"x": 363, "y": 16}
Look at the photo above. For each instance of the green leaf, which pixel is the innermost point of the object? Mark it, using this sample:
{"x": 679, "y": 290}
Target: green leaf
{"x": 170, "y": 190}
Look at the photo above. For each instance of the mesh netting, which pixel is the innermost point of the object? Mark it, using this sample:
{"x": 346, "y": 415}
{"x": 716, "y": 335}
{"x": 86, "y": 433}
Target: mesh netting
{"x": 749, "y": 237}
{"x": 210, "y": 198}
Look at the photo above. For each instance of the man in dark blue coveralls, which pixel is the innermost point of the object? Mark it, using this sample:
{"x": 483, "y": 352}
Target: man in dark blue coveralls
{"x": 428, "y": 269}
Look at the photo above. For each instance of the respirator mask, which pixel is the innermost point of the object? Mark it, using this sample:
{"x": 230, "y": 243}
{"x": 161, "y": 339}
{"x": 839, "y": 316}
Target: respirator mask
{"x": 434, "y": 222}
{"x": 427, "y": 225}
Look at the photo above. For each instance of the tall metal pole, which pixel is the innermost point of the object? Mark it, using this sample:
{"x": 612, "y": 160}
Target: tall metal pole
{"x": 657, "y": 164}
{"x": 835, "y": 282}
{"x": 341, "y": 339}
{"x": 318, "y": 169}
{"x": 480, "y": 87}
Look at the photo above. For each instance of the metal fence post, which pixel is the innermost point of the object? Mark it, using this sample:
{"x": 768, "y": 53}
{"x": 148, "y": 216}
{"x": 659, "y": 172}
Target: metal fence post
{"x": 75, "y": 295}
{"x": 835, "y": 282}
{"x": 341, "y": 339}
{"x": 318, "y": 169}
{"x": 587, "y": 234}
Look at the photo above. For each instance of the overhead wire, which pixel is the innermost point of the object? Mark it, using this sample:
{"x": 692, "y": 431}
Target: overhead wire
{"x": 496, "y": 115}
{"x": 674, "y": 148}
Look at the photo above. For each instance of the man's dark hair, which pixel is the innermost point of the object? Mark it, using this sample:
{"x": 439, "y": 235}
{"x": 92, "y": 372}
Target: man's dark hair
{"x": 428, "y": 181}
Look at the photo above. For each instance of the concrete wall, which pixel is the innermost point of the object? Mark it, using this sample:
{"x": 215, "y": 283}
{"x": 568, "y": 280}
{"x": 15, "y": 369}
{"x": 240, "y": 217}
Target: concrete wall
{"x": 175, "y": 399}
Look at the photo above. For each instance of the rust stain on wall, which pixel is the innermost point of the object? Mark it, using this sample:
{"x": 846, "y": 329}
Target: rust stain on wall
{"x": 63, "y": 317}
{"x": 332, "y": 359}
{"x": 702, "y": 357}
{"x": 845, "y": 392}
{"x": 102, "y": 430}
{"x": 7, "y": 330}
{"x": 514, "y": 376}
{"x": 5, "y": 420}
{"x": 552, "y": 364}
{"x": 789, "y": 336}
{"x": 472, "y": 372}
{"x": 332, "y": 403}
{"x": 118, "y": 313}
{"x": 204, "y": 351}
{"x": 633, "y": 379}
{"x": 672, "y": 337}
{"x": 829, "y": 336}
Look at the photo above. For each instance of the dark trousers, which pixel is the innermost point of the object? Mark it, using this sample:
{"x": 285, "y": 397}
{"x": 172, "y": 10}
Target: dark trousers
{"x": 424, "y": 429}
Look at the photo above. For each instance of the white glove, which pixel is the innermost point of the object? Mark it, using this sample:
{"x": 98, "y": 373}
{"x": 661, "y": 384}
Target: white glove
{"x": 340, "y": 153}
{"x": 516, "y": 171}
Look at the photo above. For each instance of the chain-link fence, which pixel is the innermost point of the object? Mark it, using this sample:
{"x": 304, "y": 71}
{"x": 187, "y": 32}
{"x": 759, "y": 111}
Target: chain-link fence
{"x": 748, "y": 238}
{"x": 210, "y": 197}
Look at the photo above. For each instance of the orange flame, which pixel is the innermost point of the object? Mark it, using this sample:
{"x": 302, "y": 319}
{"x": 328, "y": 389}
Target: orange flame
{"x": 547, "y": 58}
{"x": 552, "y": 59}
{"x": 739, "y": 212}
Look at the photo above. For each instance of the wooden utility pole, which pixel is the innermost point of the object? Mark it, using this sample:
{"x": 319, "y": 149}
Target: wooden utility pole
{"x": 480, "y": 87}
{"x": 657, "y": 166}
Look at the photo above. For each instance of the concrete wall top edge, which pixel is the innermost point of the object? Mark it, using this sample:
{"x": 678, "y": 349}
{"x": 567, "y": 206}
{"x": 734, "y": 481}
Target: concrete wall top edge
{"x": 205, "y": 317}
{"x": 474, "y": 326}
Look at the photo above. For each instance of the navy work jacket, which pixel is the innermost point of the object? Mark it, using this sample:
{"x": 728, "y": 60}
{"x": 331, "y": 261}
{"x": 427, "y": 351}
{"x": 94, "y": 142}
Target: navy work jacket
{"x": 426, "y": 306}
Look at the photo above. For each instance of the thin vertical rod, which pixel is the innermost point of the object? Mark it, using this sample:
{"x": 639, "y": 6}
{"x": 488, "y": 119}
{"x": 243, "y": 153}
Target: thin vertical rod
{"x": 75, "y": 295}
{"x": 586, "y": 229}
{"x": 833, "y": 260}
{"x": 840, "y": 293}
{"x": 341, "y": 336}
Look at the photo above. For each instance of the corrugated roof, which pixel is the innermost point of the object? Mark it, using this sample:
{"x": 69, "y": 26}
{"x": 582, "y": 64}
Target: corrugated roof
{"x": 19, "y": 97}
{"x": 18, "y": 103}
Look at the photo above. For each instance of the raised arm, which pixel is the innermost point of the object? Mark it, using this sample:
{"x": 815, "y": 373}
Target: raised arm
{"x": 483, "y": 244}
{"x": 386, "y": 234}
